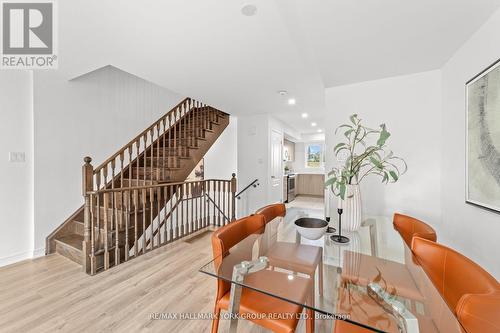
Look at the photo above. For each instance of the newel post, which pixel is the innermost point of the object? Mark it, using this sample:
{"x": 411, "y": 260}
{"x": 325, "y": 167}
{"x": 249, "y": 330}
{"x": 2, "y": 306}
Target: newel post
{"x": 233, "y": 197}
{"x": 87, "y": 186}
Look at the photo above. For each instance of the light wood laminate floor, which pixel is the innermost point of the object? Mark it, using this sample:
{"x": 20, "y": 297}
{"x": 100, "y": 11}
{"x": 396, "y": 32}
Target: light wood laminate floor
{"x": 52, "y": 294}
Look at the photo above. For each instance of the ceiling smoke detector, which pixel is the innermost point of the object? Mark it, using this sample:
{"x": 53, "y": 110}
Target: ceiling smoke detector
{"x": 249, "y": 10}
{"x": 282, "y": 92}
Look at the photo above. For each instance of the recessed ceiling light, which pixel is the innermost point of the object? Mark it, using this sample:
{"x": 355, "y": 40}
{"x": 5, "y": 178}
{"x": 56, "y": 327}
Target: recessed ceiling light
{"x": 249, "y": 10}
{"x": 319, "y": 131}
{"x": 305, "y": 115}
{"x": 291, "y": 101}
{"x": 282, "y": 92}
{"x": 313, "y": 124}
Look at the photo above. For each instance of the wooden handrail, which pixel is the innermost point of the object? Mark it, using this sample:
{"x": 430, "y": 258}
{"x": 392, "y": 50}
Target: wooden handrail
{"x": 138, "y": 137}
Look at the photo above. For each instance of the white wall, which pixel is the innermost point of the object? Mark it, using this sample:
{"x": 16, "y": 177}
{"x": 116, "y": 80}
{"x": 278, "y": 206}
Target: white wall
{"x": 221, "y": 160}
{"x": 93, "y": 115}
{"x": 471, "y": 230}
{"x": 411, "y": 108}
{"x": 16, "y": 179}
{"x": 253, "y": 161}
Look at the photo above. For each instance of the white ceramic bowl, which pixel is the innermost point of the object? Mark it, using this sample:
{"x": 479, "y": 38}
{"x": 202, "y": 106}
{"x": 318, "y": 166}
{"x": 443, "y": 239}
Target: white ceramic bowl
{"x": 311, "y": 228}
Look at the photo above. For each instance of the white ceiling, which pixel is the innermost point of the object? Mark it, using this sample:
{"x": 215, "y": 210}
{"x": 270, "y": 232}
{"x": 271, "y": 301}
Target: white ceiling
{"x": 208, "y": 50}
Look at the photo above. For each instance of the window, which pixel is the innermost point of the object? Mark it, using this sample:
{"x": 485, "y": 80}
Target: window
{"x": 314, "y": 155}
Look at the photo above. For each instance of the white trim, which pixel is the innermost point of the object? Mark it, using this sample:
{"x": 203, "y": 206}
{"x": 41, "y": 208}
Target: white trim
{"x": 40, "y": 252}
{"x": 15, "y": 258}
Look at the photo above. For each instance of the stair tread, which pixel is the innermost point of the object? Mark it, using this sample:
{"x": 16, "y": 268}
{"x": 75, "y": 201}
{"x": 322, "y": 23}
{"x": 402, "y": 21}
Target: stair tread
{"x": 73, "y": 240}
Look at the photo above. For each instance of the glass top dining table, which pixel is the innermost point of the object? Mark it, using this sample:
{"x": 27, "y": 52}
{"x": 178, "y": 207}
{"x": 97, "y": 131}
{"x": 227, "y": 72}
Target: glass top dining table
{"x": 373, "y": 281}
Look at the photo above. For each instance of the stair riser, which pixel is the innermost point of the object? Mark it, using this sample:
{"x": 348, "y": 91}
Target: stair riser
{"x": 69, "y": 252}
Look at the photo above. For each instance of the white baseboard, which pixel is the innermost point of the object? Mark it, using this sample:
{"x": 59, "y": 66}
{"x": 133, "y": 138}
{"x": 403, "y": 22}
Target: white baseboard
{"x": 12, "y": 259}
{"x": 40, "y": 252}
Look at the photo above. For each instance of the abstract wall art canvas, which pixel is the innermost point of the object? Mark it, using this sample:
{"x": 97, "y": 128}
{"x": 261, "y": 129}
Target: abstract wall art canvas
{"x": 483, "y": 139}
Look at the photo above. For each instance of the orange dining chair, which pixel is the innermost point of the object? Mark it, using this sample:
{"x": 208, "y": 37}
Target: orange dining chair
{"x": 281, "y": 254}
{"x": 258, "y": 307}
{"x": 470, "y": 291}
{"x": 409, "y": 227}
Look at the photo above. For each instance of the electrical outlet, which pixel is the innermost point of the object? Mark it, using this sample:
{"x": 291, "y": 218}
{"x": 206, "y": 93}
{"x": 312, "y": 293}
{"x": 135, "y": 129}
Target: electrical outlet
{"x": 17, "y": 157}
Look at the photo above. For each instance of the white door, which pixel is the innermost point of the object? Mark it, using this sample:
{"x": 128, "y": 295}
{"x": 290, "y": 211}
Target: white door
{"x": 276, "y": 189}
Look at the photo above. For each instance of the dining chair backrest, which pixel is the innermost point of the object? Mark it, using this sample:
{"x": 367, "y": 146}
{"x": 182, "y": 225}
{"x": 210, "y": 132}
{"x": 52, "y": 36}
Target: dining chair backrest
{"x": 409, "y": 227}
{"x": 271, "y": 212}
{"x": 228, "y": 236}
{"x": 454, "y": 275}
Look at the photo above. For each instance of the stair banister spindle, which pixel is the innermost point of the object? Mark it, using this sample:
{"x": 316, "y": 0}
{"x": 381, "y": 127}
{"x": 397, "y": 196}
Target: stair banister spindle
{"x": 106, "y": 222}
{"x": 87, "y": 187}
{"x": 233, "y": 196}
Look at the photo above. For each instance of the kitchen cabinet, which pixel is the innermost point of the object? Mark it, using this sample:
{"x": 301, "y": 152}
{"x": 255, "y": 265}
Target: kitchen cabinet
{"x": 288, "y": 151}
{"x": 310, "y": 184}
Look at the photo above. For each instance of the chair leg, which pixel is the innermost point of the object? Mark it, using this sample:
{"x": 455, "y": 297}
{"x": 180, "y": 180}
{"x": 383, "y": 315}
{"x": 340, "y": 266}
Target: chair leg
{"x": 215, "y": 320}
{"x": 310, "y": 321}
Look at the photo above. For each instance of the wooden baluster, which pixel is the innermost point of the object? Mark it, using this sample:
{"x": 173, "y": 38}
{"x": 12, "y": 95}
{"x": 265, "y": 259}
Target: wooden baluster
{"x": 122, "y": 160}
{"x": 179, "y": 212}
{"x": 195, "y": 119}
{"x": 176, "y": 134}
{"x": 127, "y": 225}
{"x": 130, "y": 166}
{"x": 233, "y": 196}
{"x": 205, "y": 117}
{"x": 200, "y": 204}
{"x": 211, "y": 219}
{"x": 223, "y": 203}
{"x": 171, "y": 129}
{"x": 204, "y": 203}
{"x": 136, "y": 222}
{"x": 193, "y": 213}
{"x": 105, "y": 176}
{"x": 87, "y": 186}
{"x": 93, "y": 267}
{"x": 143, "y": 221}
{"x": 165, "y": 151}
{"x": 184, "y": 121}
{"x": 158, "y": 175}
{"x": 158, "y": 215}
{"x": 106, "y": 222}
{"x": 218, "y": 203}
{"x": 113, "y": 197}
{"x": 151, "y": 217}
{"x": 114, "y": 212}
{"x": 152, "y": 153}
{"x": 138, "y": 146}
{"x": 165, "y": 215}
{"x": 171, "y": 210}
{"x": 144, "y": 157}
{"x": 183, "y": 216}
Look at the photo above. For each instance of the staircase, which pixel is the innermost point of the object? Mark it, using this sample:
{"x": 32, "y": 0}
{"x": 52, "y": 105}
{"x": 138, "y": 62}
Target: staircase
{"x": 139, "y": 199}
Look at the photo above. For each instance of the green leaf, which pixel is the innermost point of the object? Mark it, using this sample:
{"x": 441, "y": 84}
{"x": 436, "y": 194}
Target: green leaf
{"x": 384, "y": 135}
{"x": 331, "y": 181}
{"x": 385, "y": 179}
{"x": 340, "y": 145}
{"x": 376, "y": 163}
{"x": 393, "y": 175}
{"x": 354, "y": 118}
{"x": 342, "y": 126}
{"x": 342, "y": 191}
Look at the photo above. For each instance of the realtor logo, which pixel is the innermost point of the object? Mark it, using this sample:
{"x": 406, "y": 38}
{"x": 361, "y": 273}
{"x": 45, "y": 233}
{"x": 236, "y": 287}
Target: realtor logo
{"x": 28, "y": 35}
